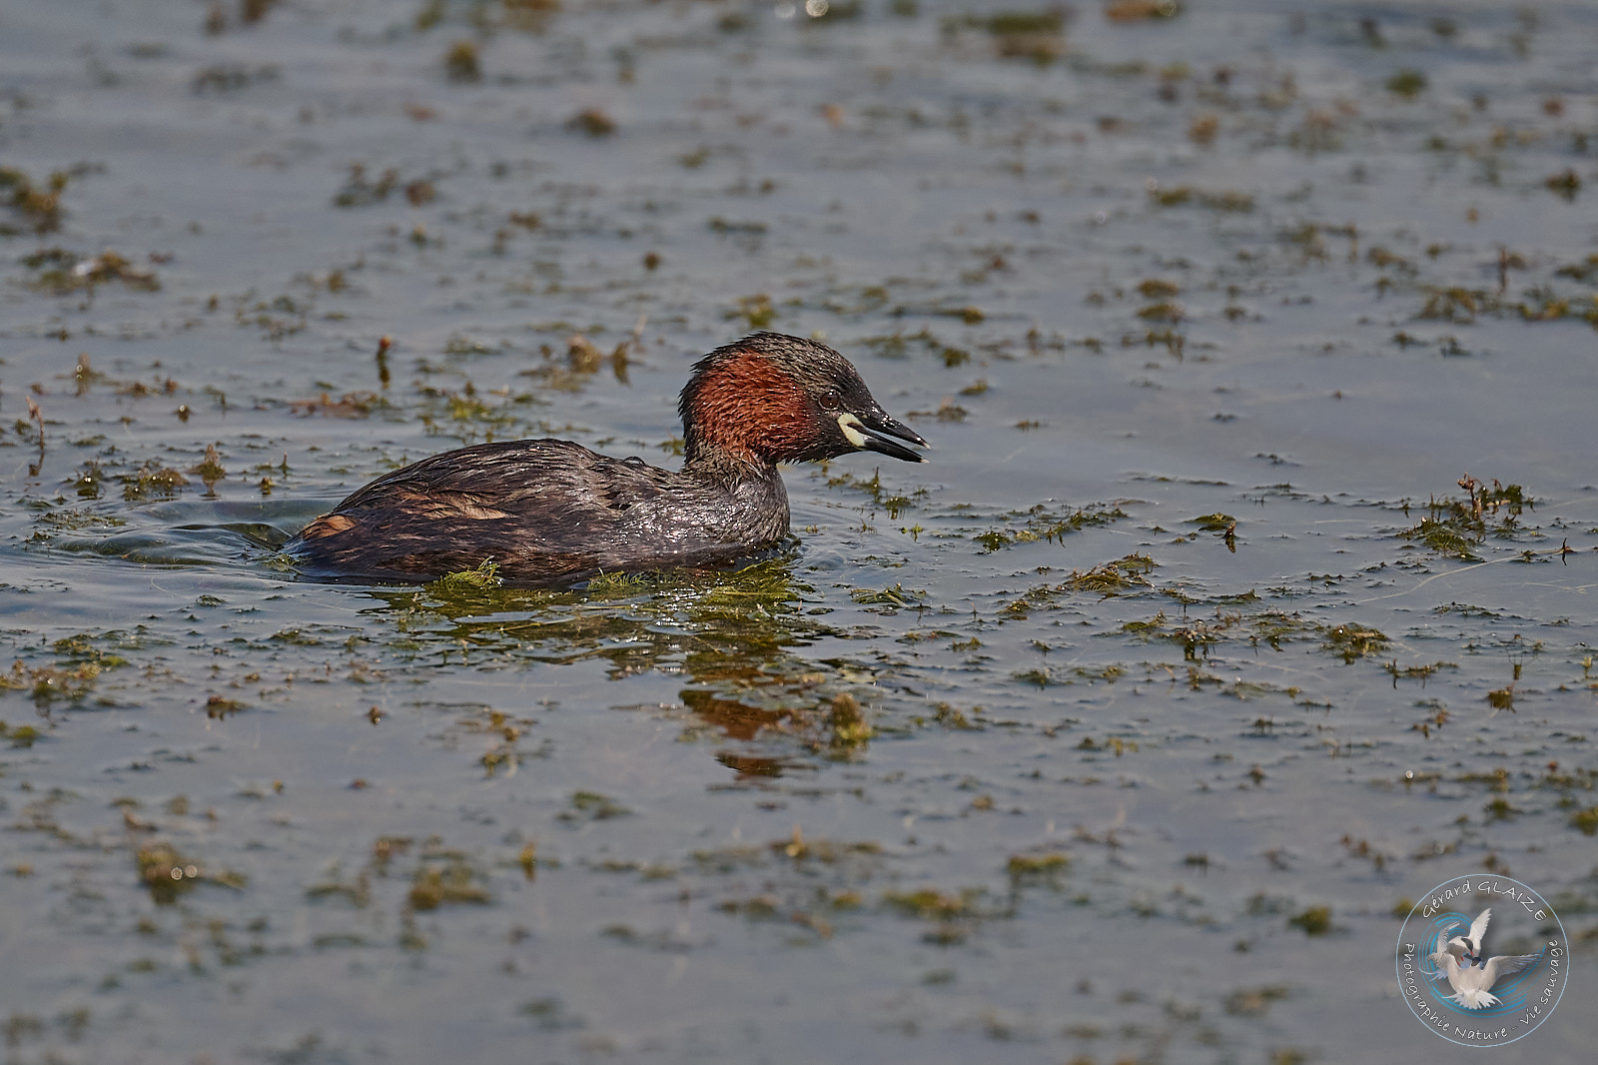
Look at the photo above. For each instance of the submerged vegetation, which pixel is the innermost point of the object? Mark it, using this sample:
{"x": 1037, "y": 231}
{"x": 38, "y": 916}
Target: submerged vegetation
{"x": 36, "y": 205}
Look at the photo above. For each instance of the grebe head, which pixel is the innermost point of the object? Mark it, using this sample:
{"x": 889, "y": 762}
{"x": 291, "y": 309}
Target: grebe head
{"x": 774, "y": 398}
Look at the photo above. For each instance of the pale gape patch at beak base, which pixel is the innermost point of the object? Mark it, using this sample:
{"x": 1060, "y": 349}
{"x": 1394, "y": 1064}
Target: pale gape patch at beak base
{"x": 851, "y": 429}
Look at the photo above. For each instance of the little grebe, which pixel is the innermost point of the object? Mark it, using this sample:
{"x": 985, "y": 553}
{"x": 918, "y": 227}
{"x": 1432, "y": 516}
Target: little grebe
{"x": 553, "y": 512}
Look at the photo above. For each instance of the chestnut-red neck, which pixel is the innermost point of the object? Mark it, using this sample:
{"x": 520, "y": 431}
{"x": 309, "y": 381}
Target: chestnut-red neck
{"x": 747, "y": 408}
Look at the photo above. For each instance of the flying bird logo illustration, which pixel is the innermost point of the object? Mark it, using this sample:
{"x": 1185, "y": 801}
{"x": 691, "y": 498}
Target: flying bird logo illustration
{"x": 1463, "y": 962}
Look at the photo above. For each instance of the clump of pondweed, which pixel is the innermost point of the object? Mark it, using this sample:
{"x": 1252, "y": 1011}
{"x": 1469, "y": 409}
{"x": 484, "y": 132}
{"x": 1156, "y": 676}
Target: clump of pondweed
{"x": 1038, "y": 36}
{"x": 485, "y": 576}
{"x": 1124, "y": 576}
{"x": 1113, "y": 578}
{"x": 59, "y": 271}
{"x": 36, "y": 203}
{"x": 1315, "y": 921}
{"x": 1355, "y": 641}
{"x": 167, "y": 874}
{"x": 1456, "y": 527}
{"x": 47, "y": 684}
{"x": 849, "y": 730}
{"x": 450, "y": 883}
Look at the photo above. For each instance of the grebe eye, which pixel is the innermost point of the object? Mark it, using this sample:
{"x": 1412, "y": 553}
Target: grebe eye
{"x": 832, "y": 399}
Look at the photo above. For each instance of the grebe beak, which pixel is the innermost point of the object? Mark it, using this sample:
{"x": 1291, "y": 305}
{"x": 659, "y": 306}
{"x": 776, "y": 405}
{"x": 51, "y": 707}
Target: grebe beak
{"x": 871, "y": 433}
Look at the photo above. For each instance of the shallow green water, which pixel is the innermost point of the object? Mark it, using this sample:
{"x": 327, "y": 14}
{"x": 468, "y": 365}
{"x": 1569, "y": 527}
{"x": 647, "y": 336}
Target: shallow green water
{"x": 1116, "y": 732}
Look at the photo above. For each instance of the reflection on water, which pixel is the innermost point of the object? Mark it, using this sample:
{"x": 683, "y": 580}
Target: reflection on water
{"x": 737, "y": 638}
